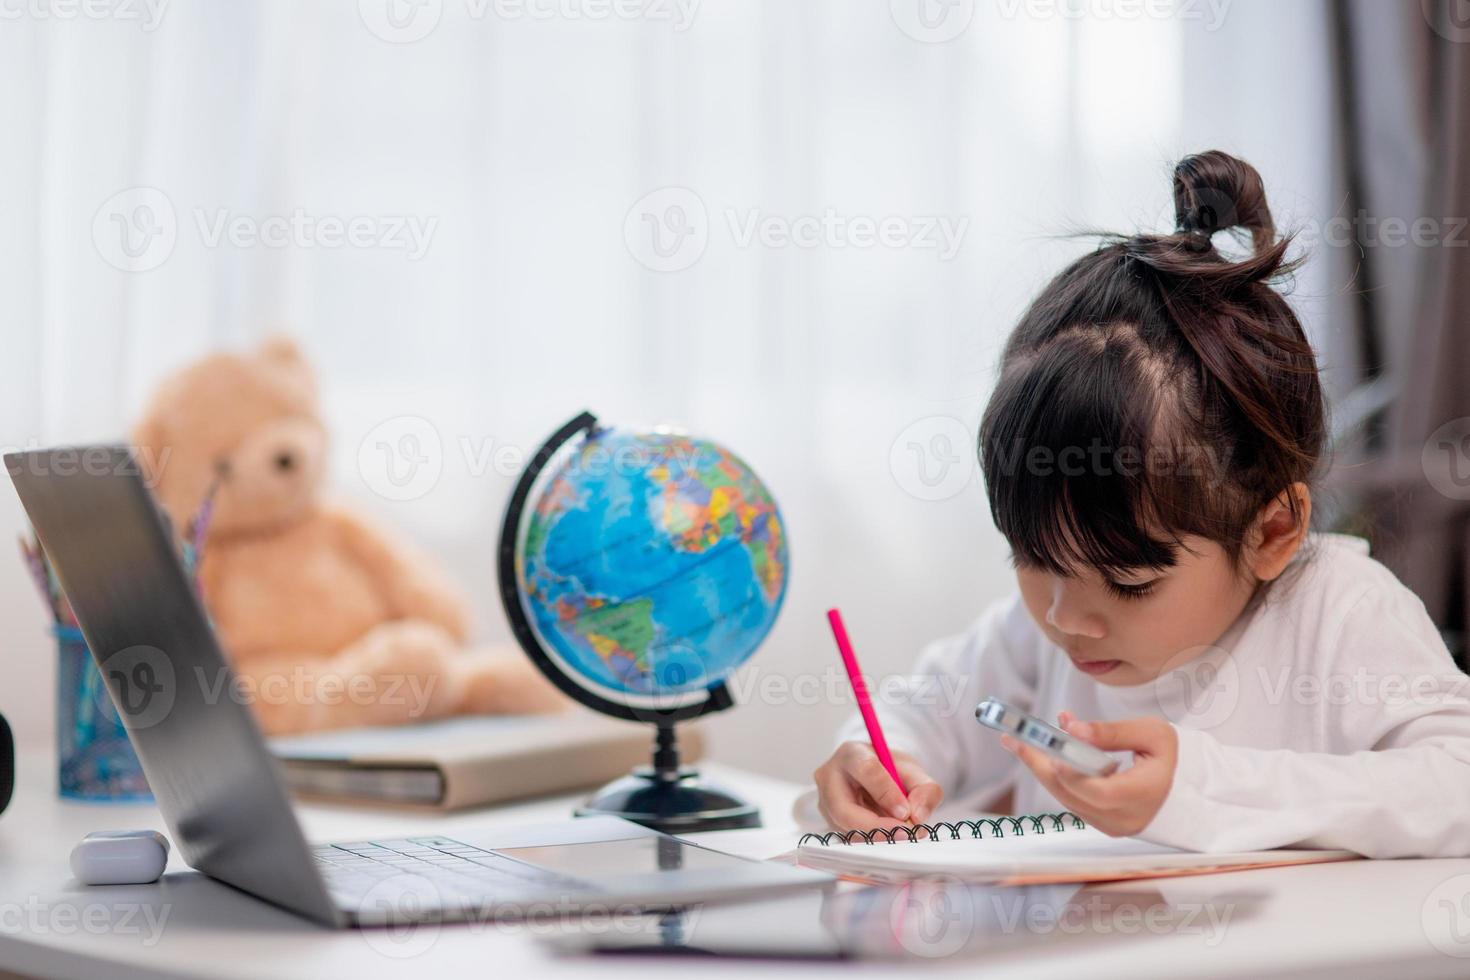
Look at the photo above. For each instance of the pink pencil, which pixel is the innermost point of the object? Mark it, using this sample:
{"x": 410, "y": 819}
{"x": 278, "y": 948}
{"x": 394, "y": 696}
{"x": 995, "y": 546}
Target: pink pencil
{"x": 864, "y": 703}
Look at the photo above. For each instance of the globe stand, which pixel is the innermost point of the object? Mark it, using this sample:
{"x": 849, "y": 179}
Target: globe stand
{"x": 670, "y": 797}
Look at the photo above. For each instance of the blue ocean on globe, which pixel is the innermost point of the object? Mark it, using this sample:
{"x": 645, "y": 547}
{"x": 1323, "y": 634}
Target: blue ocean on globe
{"x": 652, "y": 563}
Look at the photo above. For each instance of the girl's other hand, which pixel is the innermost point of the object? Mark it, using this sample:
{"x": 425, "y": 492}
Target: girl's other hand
{"x": 1121, "y": 804}
{"x": 855, "y": 792}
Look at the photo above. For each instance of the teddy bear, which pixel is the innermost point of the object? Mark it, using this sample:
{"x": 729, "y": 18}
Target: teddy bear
{"x": 328, "y": 620}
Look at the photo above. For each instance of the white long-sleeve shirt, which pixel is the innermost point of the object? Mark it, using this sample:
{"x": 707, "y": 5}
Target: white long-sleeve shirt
{"x": 1329, "y": 715}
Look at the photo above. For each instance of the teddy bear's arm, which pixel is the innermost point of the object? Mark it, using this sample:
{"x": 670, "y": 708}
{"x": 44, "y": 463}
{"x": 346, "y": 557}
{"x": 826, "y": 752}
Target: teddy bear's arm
{"x": 397, "y": 673}
{"x": 412, "y": 585}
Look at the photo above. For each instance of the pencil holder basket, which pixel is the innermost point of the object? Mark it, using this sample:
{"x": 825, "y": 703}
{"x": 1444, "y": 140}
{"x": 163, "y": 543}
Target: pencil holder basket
{"x": 95, "y": 760}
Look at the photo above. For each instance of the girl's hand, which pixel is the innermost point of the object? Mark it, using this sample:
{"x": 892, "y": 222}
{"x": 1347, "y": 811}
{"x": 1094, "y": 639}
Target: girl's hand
{"x": 1121, "y": 804}
{"x": 855, "y": 792}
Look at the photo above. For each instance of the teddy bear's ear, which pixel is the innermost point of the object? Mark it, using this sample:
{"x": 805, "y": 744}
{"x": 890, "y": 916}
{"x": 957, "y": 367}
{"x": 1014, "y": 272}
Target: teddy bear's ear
{"x": 149, "y": 440}
{"x": 279, "y": 347}
{"x": 154, "y": 452}
{"x": 287, "y": 363}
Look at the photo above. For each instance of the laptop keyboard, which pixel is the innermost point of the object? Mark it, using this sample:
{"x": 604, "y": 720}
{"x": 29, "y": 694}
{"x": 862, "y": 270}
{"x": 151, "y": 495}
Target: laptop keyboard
{"x": 440, "y": 870}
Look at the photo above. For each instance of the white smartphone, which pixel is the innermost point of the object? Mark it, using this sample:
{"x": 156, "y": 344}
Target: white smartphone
{"x": 1050, "y": 739}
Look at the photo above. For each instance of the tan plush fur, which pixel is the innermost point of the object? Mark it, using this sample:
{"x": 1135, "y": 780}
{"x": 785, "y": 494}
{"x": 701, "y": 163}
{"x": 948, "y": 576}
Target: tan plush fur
{"x": 329, "y": 621}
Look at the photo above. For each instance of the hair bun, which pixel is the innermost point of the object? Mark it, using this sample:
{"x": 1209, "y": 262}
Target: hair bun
{"x": 1214, "y": 191}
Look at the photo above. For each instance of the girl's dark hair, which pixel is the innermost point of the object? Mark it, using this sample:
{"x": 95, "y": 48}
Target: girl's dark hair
{"x": 1155, "y": 389}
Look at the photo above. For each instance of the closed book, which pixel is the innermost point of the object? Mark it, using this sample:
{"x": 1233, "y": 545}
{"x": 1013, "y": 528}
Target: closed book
{"x": 469, "y": 761}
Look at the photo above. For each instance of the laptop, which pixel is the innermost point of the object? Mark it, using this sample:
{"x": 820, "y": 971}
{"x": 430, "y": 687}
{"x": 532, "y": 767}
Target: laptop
{"x": 221, "y": 793}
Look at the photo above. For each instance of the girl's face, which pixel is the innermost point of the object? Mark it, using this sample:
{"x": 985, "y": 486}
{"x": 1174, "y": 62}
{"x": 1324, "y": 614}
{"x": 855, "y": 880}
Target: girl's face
{"x": 1129, "y": 629}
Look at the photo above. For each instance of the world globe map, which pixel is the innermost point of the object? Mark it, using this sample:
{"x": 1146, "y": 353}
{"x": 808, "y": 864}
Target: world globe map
{"x": 652, "y": 563}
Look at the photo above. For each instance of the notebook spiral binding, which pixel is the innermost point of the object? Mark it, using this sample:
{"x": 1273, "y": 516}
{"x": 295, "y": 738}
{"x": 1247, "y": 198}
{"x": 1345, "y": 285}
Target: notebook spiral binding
{"x": 932, "y": 831}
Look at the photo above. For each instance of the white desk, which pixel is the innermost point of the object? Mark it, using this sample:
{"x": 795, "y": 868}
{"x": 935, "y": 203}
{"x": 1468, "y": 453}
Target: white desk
{"x": 1355, "y": 919}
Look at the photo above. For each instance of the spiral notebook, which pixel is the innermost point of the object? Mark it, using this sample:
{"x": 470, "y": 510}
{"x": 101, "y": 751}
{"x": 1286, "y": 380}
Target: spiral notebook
{"x": 1040, "y": 849}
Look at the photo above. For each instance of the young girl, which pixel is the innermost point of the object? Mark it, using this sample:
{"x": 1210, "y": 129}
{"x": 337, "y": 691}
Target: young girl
{"x": 1149, "y": 454}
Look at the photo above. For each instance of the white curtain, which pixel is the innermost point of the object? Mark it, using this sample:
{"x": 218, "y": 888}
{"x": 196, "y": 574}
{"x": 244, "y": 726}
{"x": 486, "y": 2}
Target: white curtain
{"x": 494, "y": 159}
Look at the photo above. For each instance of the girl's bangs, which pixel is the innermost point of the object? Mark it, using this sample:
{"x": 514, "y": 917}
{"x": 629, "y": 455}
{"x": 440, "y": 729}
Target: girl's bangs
{"x": 1065, "y": 451}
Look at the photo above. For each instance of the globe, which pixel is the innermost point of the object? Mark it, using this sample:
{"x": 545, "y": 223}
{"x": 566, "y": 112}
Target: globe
{"x": 650, "y": 562}
{"x": 638, "y": 569}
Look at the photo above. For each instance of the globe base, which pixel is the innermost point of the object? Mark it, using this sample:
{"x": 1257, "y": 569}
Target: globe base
{"x": 672, "y": 802}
